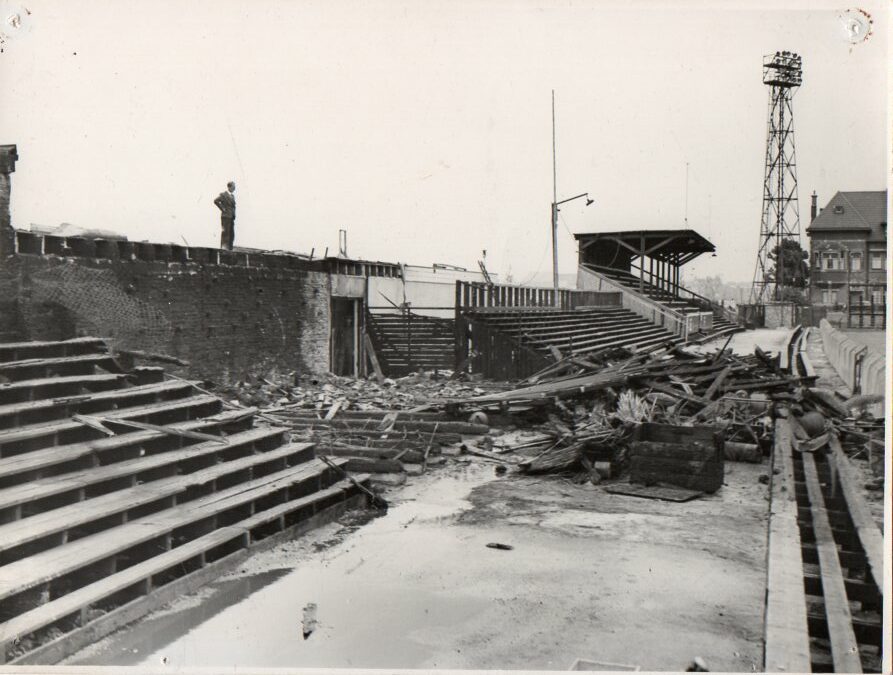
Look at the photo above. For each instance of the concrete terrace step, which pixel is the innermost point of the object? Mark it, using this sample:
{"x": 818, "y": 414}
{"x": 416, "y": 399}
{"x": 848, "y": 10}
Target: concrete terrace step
{"x": 82, "y": 364}
{"x": 615, "y": 340}
{"x": 205, "y": 514}
{"x": 161, "y": 569}
{"x": 537, "y": 328}
{"x": 118, "y": 507}
{"x": 638, "y": 344}
{"x": 57, "y": 459}
{"x": 83, "y": 484}
{"x": 45, "y": 410}
{"x": 561, "y": 323}
{"x": 15, "y": 351}
{"x": 614, "y": 326}
{"x": 56, "y": 387}
{"x": 38, "y": 436}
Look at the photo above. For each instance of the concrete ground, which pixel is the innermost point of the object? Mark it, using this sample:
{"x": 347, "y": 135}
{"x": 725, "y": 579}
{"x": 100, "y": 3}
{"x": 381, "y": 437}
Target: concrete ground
{"x": 768, "y": 339}
{"x": 875, "y": 340}
{"x": 591, "y": 575}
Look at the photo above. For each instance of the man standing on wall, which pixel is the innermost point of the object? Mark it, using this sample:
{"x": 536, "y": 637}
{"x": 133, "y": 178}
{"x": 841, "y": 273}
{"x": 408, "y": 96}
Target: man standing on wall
{"x": 226, "y": 202}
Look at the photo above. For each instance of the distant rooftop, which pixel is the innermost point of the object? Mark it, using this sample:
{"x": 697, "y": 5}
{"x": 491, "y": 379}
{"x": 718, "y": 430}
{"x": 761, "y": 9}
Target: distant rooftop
{"x": 864, "y": 211}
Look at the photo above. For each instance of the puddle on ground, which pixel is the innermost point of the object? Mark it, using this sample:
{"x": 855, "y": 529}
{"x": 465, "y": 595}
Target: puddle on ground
{"x": 370, "y": 609}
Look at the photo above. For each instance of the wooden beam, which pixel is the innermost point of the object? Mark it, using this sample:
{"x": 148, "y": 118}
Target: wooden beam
{"x": 373, "y": 359}
{"x": 786, "y": 631}
{"x": 870, "y": 535}
{"x": 624, "y": 244}
{"x": 657, "y": 246}
{"x": 844, "y": 646}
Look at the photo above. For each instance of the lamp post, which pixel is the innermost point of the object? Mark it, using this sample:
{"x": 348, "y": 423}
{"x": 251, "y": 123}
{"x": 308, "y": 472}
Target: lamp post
{"x": 555, "y": 205}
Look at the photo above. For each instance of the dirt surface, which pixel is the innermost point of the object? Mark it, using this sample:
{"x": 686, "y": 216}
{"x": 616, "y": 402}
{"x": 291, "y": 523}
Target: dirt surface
{"x": 591, "y": 575}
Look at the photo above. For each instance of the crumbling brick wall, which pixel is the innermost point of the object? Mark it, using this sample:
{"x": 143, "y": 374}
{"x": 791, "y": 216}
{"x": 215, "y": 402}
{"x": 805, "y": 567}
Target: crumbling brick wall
{"x": 228, "y": 320}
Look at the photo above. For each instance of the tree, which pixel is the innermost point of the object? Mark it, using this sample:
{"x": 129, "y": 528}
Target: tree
{"x": 794, "y": 265}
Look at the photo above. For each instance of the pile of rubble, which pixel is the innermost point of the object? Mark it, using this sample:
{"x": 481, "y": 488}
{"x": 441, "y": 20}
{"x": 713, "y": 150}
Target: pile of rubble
{"x": 662, "y": 411}
{"x": 321, "y": 392}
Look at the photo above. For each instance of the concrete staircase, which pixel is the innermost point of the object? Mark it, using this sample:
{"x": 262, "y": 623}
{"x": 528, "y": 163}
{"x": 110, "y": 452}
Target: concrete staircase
{"x": 686, "y": 302}
{"x": 97, "y": 528}
{"x": 408, "y": 342}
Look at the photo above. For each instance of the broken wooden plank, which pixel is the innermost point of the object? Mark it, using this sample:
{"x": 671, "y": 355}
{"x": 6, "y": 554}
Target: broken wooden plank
{"x": 171, "y": 431}
{"x": 713, "y": 389}
{"x": 373, "y": 358}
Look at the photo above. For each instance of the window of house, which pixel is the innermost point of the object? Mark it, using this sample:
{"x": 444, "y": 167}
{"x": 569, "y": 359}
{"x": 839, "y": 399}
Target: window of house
{"x": 817, "y": 260}
{"x": 831, "y": 261}
{"x": 878, "y": 260}
{"x": 878, "y": 297}
{"x": 855, "y": 262}
{"x": 829, "y": 296}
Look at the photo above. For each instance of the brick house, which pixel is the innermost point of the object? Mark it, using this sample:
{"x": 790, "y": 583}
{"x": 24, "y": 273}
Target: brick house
{"x": 848, "y": 253}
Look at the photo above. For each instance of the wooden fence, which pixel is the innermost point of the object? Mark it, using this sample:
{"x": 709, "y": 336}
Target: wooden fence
{"x": 471, "y": 295}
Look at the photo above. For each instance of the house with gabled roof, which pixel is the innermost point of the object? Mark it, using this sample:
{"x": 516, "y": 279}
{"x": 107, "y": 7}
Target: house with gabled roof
{"x": 848, "y": 253}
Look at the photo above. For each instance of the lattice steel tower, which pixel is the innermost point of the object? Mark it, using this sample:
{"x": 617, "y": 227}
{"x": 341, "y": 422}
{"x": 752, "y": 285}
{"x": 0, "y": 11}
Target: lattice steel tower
{"x": 783, "y": 73}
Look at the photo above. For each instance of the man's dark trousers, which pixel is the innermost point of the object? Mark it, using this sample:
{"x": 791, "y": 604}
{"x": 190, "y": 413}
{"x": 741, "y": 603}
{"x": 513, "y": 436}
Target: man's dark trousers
{"x": 227, "y": 232}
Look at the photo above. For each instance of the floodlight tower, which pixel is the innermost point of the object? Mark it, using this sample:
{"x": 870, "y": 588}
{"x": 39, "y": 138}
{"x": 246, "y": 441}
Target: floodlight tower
{"x": 783, "y": 72}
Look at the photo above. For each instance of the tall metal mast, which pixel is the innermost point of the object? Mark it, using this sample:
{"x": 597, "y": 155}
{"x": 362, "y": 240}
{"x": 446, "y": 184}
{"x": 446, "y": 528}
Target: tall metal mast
{"x": 783, "y": 72}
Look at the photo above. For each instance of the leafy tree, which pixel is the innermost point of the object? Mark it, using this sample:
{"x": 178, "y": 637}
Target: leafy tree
{"x": 794, "y": 265}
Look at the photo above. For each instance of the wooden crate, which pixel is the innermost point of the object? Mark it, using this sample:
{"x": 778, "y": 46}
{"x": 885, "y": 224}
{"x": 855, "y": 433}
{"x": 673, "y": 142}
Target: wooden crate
{"x": 690, "y": 457}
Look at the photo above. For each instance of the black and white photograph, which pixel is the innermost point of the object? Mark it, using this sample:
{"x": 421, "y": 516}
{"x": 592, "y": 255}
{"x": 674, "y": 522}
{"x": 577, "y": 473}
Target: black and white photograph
{"x": 444, "y": 335}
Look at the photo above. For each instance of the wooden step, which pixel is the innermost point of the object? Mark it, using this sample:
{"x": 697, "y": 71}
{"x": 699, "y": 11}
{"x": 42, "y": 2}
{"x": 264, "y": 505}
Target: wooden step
{"x": 56, "y": 459}
{"x": 205, "y": 513}
{"x": 16, "y": 351}
{"x": 121, "y": 506}
{"x": 157, "y": 571}
{"x": 84, "y": 484}
{"x": 45, "y": 410}
{"x": 55, "y": 387}
{"x": 83, "y": 364}
{"x": 38, "y": 436}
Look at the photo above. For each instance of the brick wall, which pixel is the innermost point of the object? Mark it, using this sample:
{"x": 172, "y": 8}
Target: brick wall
{"x": 228, "y": 314}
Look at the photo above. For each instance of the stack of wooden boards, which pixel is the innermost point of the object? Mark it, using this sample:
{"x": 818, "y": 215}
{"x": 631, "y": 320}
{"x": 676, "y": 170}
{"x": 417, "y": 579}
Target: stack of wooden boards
{"x": 120, "y": 491}
{"x": 387, "y": 444}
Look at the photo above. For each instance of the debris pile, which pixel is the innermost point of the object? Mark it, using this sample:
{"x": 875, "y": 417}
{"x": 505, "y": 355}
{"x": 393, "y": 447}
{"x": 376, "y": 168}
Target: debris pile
{"x": 321, "y": 392}
{"x": 587, "y": 412}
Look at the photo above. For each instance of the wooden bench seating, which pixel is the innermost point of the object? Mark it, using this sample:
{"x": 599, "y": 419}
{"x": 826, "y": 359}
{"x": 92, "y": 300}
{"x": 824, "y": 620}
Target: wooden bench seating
{"x": 44, "y": 567}
{"x": 147, "y": 573}
{"x": 44, "y": 410}
{"x": 83, "y": 364}
{"x": 32, "y": 465}
{"x": 58, "y": 432}
{"x": 17, "y": 351}
{"x": 91, "y": 481}
{"x": 54, "y": 387}
{"x": 163, "y": 493}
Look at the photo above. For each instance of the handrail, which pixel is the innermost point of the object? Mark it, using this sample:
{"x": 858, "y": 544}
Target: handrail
{"x": 631, "y": 298}
{"x": 650, "y": 281}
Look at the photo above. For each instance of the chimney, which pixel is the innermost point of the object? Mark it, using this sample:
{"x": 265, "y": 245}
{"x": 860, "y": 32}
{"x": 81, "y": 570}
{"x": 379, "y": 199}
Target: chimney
{"x": 814, "y": 211}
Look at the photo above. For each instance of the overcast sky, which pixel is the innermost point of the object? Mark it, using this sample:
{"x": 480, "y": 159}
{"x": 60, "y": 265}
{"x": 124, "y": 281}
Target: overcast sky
{"x": 424, "y": 128}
